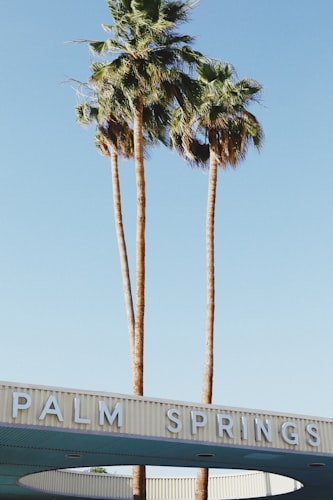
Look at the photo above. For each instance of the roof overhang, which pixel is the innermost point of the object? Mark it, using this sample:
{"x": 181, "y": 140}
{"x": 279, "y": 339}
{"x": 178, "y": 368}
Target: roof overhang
{"x": 45, "y": 428}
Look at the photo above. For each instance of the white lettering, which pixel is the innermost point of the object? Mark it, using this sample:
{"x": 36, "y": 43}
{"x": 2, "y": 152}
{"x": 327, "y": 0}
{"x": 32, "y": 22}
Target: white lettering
{"x": 313, "y": 431}
{"x": 235, "y": 425}
{"x": 77, "y": 411}
{"x": 261, "y": 430}
{"x": 105, "y": 412}
{"x": 18, "y": 404}
{"x": 198, "y": 419}
{"x": 224, "y": 423}
{"x": 244, "y": 428}
{"x": 287, "y": 436}
{"x": 51, "y": 408}
{"x": 172, "y": 415}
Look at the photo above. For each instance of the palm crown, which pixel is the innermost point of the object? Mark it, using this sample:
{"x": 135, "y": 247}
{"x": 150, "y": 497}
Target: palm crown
{"x": 221, "y": 123}
{"x": 148, "y": 55}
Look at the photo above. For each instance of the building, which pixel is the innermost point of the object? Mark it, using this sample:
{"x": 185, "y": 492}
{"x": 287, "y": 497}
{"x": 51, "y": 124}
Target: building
{"x": 44, "y": 429}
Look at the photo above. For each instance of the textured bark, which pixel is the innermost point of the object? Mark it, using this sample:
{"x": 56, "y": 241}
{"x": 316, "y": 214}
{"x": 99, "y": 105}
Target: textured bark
{"x": 125, "y": 274}
{"x": 139, "y": 482}
{"x": 139, "y": 471}
{"x": 207, "y": 388}
{"x": 140, "y": 251}
{"x": 201, "y": 485}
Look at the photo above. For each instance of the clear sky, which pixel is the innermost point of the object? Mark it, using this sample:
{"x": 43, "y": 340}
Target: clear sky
{"x": 62, "y": 318}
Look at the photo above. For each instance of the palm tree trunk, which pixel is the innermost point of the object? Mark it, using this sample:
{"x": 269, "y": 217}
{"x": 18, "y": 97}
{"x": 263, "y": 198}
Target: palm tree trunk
{"x": 207, "y": 388}
{"x": 201, "y": 486}
{"x": 140, "y": 250}
{"x": 118, "y": 219}
{"x": 139, "y": 471}
{"x": 139, "y": 482}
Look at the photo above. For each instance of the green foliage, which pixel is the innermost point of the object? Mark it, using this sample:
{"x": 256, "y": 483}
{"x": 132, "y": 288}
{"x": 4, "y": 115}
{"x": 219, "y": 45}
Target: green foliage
{"x": 98, "y": 470}
{"x": 220, "y": 120}
{"x": 146, "y": 54}
{"x": 142, "y": 60}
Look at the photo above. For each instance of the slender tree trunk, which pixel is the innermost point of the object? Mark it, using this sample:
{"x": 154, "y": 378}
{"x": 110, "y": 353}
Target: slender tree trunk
{"x": 140, "y": 251}
{"x": 201, "y": 486}
{"x": 207, "y": 388}
{"x": 118, "y": 219}
{"x": 139, "y": 482}
{"x": 139, "y": 471}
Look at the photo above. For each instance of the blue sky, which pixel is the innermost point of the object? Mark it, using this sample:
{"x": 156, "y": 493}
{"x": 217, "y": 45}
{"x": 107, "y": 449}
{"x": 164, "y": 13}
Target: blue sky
{"x": 62, "y": 318}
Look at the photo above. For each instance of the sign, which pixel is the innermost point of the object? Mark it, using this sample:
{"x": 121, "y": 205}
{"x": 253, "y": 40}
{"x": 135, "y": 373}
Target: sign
{"x": 101, "y": 412}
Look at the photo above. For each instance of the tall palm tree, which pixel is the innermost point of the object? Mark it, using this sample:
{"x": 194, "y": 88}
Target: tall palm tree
{"x": 218, "y": 131}
{"x": 147, "y": 56}
{"x": 105, "y": 108}
{"x": 147, "y": 60}
{"x": 113, "y": 137}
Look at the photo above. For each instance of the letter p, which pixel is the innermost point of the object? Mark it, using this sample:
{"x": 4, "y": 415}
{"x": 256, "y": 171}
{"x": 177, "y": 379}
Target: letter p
{"x": 21, "y": 401}
{"x": 198, "y": 419}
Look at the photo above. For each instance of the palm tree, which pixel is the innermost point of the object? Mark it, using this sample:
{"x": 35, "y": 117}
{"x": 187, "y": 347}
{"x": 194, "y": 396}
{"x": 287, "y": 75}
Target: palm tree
{"x": 147, "y": 55}
{"x": 147, "y": 60}
{"x": 228, "y": 129}
{"x": 113, "y": 137}
{"x": 105, "y": 108}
